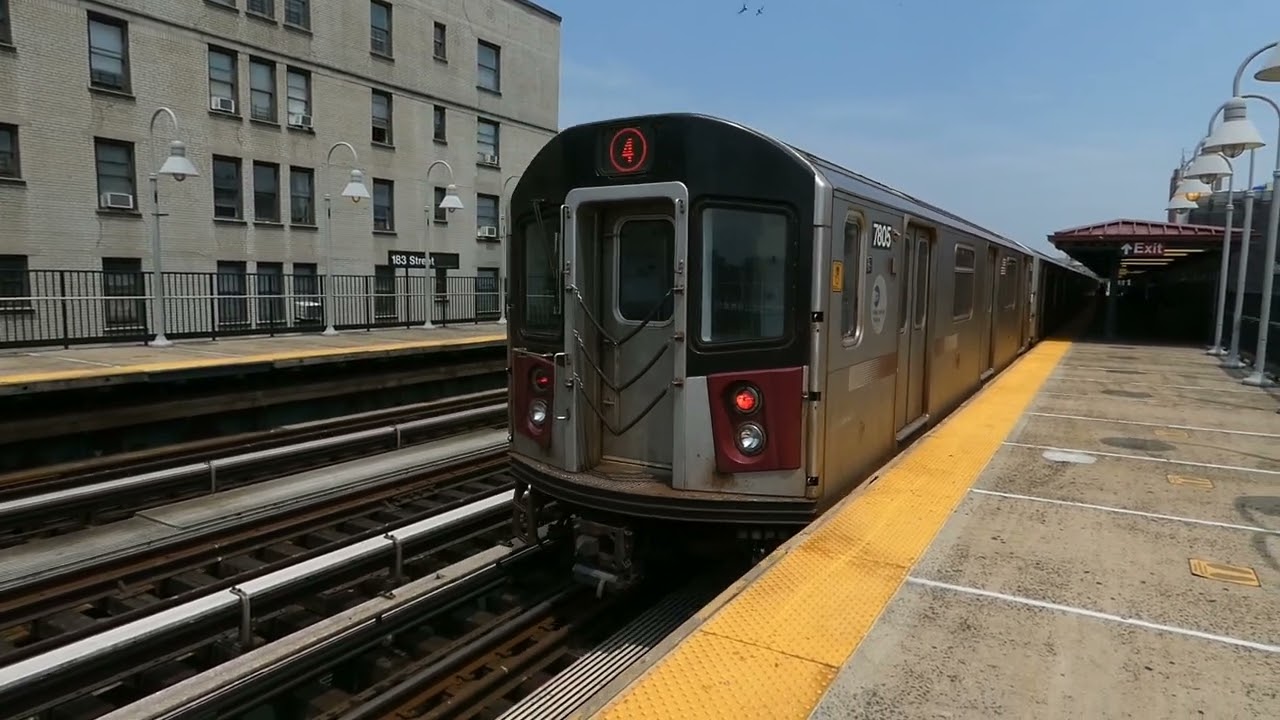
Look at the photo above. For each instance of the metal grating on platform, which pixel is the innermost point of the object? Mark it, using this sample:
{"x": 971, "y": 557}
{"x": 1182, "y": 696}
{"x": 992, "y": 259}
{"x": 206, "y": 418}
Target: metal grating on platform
{"x": 567, "y": 691}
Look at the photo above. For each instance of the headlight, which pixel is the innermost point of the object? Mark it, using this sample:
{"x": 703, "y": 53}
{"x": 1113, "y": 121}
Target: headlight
{"x": 538, "y": 412}
{"x": 750, "y": 438}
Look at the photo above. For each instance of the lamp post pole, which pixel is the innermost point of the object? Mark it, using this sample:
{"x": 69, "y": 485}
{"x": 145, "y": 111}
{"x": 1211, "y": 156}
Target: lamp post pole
{"x": 1224, "y": 271}
{"x": 504, "y": 219}
{"x": 426, "y": 239}
{"x": 157, "y": 258}
{"x": 329, "y": 301}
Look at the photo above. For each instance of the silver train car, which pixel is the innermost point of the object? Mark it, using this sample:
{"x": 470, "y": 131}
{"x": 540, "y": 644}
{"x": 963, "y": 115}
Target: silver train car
{"x": 713, "y": 332}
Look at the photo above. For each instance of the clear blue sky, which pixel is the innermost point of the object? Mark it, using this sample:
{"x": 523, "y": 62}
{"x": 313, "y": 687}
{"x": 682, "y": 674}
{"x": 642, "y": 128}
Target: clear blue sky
{"x": 1025, "y": 116}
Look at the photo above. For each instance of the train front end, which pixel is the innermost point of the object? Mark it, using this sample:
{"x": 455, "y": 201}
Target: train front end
{"x": 661, "y": 324}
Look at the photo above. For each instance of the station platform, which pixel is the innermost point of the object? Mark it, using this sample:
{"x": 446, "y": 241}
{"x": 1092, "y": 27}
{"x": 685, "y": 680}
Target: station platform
{"x": 32, "y": 371}
{"x": 1095, "y": 534}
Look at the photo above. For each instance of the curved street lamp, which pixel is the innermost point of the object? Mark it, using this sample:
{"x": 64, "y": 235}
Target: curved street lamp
{"x": 1180, "y": 203}
{"x": 179, "y": 167}
{"x": 356, "y": 191}
{"x": 450, "y": 203}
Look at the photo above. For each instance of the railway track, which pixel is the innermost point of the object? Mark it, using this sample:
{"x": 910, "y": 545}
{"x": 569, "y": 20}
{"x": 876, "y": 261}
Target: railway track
{"x": 42, "y": 612}
{"x": 62, "y": 503}
{"x": 206, "y": 626}
{"x": 110, "y": 467}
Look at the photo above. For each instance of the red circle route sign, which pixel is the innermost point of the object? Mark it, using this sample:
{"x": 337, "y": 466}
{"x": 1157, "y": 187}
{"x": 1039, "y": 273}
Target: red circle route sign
{"x": 628, "y": 150}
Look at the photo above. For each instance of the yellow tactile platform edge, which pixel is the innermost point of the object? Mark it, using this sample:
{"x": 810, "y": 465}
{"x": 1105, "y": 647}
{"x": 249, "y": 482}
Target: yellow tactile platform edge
{"x": 771, "y": 650}
{"x": 281, "y": 356}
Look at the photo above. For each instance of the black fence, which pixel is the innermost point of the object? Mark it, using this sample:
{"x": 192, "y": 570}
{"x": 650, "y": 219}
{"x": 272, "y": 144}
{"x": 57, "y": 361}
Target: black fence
{"x": 68, "y": 307}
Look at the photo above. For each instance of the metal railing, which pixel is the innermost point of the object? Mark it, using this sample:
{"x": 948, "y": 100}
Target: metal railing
{"x": 1249, "y": 326}
{"x": 69, "y": 307}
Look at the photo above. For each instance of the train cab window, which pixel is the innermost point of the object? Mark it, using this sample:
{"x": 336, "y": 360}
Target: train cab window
{"x": 921, "y": 265}
{"x": 962, "y": 295}
{"x": 542, "y": 297}
{"x": 744, "y": 275}
{"x": 645, "y": 266}
{"x": 851, "y": 295}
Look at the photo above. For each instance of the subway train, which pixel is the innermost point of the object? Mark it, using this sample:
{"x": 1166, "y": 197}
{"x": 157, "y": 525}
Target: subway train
{"x": 715, "y": 336}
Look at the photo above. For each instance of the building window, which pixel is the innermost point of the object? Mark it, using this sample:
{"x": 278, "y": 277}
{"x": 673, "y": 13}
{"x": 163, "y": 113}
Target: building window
{"x": 10, "y": 159}
{"x": 265, "y": 8}
{"x": 487, "y": 142}
{"x": 851, "y": 298}
{"x": 6, "y": 30}
{"x": 269, "y": 282}
{"x": 223, "y": 85}
{"x": 439, "y": 131}
{"x": 226, "y": 188}
{"x": 384, "y": 205}
{"x": 108, "y": 53}
{"x": 124, "y": 304}
{"x": 298, "y": 13}
{"x": 384, "y": 289}
{"x": 440, "y": 48}
{"x": 266, "y": 192}
{"x": 302, "y": 196}
{"x": 262, "y": 90}
{"x": 117, "y": 179}
{"x": 486, "y": 212}
{"x": 489, "y": 66}
{"x": 298, "y": 86}
{"x": 963, "y": 292}
{"x": 15, "y": 283}
{"x": 232, "y": 287}
{"x": 382, "y": 117}
{"x": 441, "y": 215}
{"x": 380, "y": 28}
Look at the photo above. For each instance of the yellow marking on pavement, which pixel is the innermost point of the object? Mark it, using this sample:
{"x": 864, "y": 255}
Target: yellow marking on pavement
{"x": 1238, "y": 574}
{"x": 1190, "y": 481}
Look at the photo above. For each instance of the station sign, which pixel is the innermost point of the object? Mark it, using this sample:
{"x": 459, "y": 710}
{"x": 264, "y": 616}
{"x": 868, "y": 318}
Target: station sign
{"x": 1143, "y": 249}
{"x": 407, "y": 259}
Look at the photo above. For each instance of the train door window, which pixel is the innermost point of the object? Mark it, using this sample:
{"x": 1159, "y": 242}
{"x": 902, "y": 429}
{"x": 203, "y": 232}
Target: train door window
{"x": 744, "y": 275}
{"x": 962, "y": 296}
{"x": 922, "y": 280}
{"x": 645, "y": 259}
{"x": 851, "y": 294}
{"x": 904, "y": 284}
{"x": 1009, "y": 282}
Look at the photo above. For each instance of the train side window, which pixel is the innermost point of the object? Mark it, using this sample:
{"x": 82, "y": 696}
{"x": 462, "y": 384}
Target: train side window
{"x": 744, "y": 275}
{"x": 1009, "y": 282}
{"x": 851, "y": 296}
{"x": 645, "y": 257}
{"x": 543, "y": 313}
{"x": 922, "y": 279}
{"x": 962, "y": 297}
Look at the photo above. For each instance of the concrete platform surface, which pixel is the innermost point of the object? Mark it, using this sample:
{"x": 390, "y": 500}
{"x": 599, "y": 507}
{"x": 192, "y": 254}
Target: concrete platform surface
{"x": 31, "y": 371}
{"x": 1064, "y": 585}
{"x": 1096, "y": 534}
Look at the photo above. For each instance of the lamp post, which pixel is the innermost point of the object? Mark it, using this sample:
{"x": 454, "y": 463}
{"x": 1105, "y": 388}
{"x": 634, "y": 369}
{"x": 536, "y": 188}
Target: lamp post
{"x": 179, "y": 168}
{"x": 504, "y": 220}
{"x": 1233, "y": 137}
{"x": 1209, "y": 168}
{"x": 355, "y": 190}
{"x": 451, "y": 203}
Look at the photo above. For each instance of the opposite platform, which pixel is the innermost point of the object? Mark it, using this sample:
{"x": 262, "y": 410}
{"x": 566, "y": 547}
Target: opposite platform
{"x": 1109, "y": 521}
{"x": 61, "y": 369}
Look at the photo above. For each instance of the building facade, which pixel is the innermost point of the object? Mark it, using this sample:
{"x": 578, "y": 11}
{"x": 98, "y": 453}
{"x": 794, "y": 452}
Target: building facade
{"x": 262, "y": 91}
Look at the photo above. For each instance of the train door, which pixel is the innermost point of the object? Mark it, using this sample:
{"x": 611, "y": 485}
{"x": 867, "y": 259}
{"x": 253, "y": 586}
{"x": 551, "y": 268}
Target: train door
{"x": 624, "y": 253}
{"x": 637, "y": 264}
{"x": 993, "y": 312}
{"x": 918, "y": 273}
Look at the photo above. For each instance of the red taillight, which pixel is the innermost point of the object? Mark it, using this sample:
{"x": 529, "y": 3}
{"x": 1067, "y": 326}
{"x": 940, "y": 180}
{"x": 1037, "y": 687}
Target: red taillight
{"x": 746, "y": 399}
{"x": 541, "y": 380}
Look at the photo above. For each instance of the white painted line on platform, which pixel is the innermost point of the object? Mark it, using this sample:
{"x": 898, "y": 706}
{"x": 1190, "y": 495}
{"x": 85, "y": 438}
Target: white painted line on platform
{"x": 1116, "y": 381}
{"x": 1124, "y": 511}
{"x": 1194, "y": 428}
{"x": 1132, "y": 622}
{"x": 1123, "y": 456}
{"x": 71, "y": 359}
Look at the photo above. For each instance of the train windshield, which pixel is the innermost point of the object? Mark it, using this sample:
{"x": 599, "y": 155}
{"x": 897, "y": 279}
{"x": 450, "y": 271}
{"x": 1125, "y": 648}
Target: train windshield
{"x": 543, "y": 310}
{"x": 744, "y": 275}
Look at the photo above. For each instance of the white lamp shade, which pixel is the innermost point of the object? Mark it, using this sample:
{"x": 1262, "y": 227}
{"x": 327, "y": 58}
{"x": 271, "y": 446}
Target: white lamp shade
{"x": 1193, "y": 189}
{"x": 1235, "y": 134}
{"x": 355, "y": 189}
{"x": 1270, "y": 71}
{"x": 1209, "y": 167}
{"x": 451, "y": 201}
{"x": 177, "y": 163}
{"x": 1180, "y": 203}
